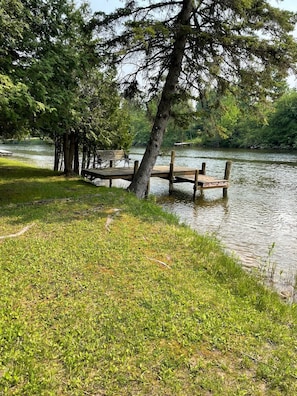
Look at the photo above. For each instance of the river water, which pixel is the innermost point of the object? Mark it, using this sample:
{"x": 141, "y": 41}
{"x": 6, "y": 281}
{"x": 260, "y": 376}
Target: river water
{"x": 258, "y": 219}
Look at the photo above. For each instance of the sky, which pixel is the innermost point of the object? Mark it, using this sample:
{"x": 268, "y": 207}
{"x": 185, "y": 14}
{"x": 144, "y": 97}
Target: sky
{"x": 109, "y": 5}
{"x": 290, "y": 5}
{"x": 105, "y": 5}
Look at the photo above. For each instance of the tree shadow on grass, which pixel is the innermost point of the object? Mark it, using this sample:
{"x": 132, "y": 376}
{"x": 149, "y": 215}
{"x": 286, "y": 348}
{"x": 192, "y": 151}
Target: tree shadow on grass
{"x": 23, "y": 191}
{"x": 20, "y": 184}
{"x": 75, "y": 200}
{"x": 10, "y": 171}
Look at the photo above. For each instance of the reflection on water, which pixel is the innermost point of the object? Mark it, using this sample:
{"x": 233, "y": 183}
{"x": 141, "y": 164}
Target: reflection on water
{"x": 260, "y": 209}
{"x": 41, "y": 155}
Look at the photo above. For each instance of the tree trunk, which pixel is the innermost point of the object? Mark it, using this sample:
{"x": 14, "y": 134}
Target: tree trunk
{"x": 58, "y": 151}
{"x": 76, "y": 156}
{"x": 142, "y": 177}
{"x": 68, "y": 148}
{"x": 84, "y": 157}
{"x": 88, "y": 159}
{"x": 66, "y": 145}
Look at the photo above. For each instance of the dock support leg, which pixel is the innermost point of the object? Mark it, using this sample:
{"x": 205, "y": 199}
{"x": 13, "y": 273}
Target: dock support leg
{"x": 203, "y": 170}
{"x": 195, "y": 183}
{"x": 110, "y": 165}
{"x": 136, "y": 166}
{"x": 171, "y": 172}
{"x": 227, "y": 176}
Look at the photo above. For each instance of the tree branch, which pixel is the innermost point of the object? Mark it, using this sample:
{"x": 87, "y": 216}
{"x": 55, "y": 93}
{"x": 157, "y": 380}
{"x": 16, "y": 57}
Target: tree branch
{"x": 25, "y": 229}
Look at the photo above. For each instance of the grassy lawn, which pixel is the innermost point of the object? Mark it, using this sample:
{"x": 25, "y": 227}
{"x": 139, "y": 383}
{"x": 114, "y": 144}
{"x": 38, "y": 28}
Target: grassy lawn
{"x": 103, "y": 294}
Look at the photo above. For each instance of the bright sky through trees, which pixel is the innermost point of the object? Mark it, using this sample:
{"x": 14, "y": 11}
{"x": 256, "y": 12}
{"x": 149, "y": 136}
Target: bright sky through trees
{"x": 110, "y": 5}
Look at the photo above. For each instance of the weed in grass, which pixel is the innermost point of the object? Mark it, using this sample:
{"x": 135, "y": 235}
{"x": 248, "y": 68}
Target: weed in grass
{"x": 267, "y": 275}
{"x": 267, "y": 268}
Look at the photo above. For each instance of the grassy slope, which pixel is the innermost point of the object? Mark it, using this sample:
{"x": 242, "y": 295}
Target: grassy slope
{"x": 107, "y": 295}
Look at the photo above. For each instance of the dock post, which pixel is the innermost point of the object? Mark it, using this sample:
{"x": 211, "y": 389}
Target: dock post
{"x": 171, "y": 172}
{"x": 203, "y": 169}
{"x": 110, "y": 165}
{"x": 136, "y": 166}
{"x": 195, "y": 183}
{"x": 227, "y": 176}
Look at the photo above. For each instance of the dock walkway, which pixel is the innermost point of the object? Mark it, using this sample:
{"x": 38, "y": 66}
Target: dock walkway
{"x": 174, "y": 174}
{"x": 5, "y": 153}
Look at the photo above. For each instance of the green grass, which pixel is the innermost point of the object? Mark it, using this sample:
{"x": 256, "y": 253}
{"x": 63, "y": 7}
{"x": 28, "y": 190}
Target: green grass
{"x": 88, "y": 306}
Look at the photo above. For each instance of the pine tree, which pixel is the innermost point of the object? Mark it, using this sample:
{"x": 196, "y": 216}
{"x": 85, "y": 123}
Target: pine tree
{"x": 191, "y": 46}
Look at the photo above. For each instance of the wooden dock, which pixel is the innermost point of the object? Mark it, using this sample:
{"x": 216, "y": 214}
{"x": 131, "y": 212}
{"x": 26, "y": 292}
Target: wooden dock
{"x": 174, "y": 174}
{"x": 5, "y": 153}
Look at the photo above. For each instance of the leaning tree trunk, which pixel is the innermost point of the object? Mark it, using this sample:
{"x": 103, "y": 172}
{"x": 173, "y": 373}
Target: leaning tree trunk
{"x": 142, "y": 176}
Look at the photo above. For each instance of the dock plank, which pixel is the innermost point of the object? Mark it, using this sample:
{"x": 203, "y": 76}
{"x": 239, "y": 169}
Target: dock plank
{"x": 203, "y": 181}
{"x": 126, "y": 173}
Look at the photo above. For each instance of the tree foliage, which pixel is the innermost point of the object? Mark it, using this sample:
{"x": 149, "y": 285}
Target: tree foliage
{"x": 281, "y": 130}
{"x": 237, "y": 124}
{"x": 17, "y": 108}
{"x": 12, "y": 29}
{"x": 104, "y": 122}
{"x": 59, "y": 54}
{"x": 50, "y": 80}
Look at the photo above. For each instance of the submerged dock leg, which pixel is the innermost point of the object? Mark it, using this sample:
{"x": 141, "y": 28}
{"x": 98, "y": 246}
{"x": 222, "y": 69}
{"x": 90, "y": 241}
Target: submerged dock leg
{"x": 227, "y": 176}
{"x": 203, "y": 169}
{"x": 195, "y": 183}
{"x": 171, "y": 172}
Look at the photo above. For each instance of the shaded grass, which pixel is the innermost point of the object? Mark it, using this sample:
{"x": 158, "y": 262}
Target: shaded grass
{"x": 88, "y": 308}
{"x": 20, "y": 183}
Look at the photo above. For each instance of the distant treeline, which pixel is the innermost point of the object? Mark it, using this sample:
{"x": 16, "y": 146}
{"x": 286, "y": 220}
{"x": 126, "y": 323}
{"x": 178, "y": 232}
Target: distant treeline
{"x": 230, "y": 122}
